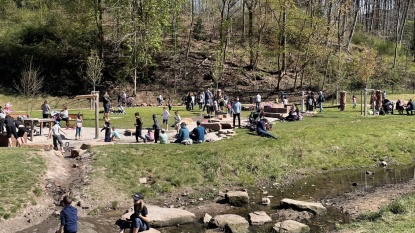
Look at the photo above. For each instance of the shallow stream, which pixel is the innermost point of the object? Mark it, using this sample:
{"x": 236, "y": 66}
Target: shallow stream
{"x": 315, "y": 188}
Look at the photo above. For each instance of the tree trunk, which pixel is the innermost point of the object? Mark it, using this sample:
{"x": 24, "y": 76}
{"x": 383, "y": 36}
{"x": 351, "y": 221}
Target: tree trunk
{"x": 189, "y": 40}
{"x": 356, "y": 12}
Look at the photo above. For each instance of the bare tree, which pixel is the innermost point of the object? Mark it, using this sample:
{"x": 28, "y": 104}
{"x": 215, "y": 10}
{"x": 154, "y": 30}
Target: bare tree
{"x": 94, "y": 69}
{"x": 30, "y": 82}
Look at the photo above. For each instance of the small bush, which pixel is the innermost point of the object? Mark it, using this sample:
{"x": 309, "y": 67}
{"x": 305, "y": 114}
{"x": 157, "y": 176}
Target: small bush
{"x": 370, "y": 216}
{"x": 114, "y": 205}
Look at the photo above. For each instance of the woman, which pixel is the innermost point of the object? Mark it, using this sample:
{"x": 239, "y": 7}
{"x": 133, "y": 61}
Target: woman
{"x": 140, "y": 217}
{"x": 21, "y": 130}
{"x": 11, "y": 129}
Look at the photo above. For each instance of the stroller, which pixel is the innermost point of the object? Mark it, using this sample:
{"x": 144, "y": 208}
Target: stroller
{"x": 253, "y": 118}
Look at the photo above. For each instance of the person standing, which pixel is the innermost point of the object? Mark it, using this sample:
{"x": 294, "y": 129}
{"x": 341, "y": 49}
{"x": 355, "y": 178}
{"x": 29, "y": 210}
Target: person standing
{"x": 156, "y": 127}
{"x": 107, "y": 128}
{"x": 258, "y": 102}
{"x": 11, "y": 129}
{"x": 138, "y": 127}
{"x": 166, "y": 115}
{"x": 321, "y": 100}
{"x": 79, "y": 121}
{"x": 56, "y": 134}
{"x": 201, "y": 100}
{"x": 69, "y": 217}
{"x": 236, "y": 111}
{"x": 106, "y": 101}
{"x": 45, "y": 110}
{"x": 64, "y": 115}
{"x": 2, "y": 117}
{"x": 192, "y": 101}
{"x": 354, "y": 100}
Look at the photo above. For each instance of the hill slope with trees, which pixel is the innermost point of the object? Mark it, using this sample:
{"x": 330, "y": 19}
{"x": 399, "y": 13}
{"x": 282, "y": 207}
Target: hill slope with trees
{"x": 231, "y": 44}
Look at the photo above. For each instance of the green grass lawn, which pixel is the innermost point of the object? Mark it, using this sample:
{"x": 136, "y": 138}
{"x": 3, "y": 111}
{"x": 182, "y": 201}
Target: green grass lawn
{"x": 330, "y": 140}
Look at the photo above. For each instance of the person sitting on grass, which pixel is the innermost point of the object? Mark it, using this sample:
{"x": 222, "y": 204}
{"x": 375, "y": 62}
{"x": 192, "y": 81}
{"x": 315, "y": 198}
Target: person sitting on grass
{"x": 183, "y": 133}
{"x": 164, "y": 139}
{"x": 150, "y": 135}
{"x": 115, "y": 134}
{"x": 410, "y": 106}
{"x": 198, "y": 133}
{"x": 261, "y": 129}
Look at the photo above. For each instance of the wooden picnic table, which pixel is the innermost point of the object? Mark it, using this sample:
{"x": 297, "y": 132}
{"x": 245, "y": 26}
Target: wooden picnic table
{"x": 33, "y": 121}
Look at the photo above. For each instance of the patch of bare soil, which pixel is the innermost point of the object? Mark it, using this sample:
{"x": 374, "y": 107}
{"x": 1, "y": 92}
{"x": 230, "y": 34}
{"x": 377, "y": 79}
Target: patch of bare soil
{"x": 355, "y": 203}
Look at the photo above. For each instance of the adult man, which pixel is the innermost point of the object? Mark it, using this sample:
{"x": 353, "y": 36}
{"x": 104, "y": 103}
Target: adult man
{"x": 410, "y": 106}
{"x": 106, "y": 101}
{"x": 258, "y": 102}
{"x": 236, "y": 110}
{"x": 208, "y": 95}
{"x": 164, "y": 139}
{"x": 55, "y": 133}
{"x": 261, "y": 129}
{"x": 183, "y": 133}
{"x": 160, "y": 100}
{"x": 69, "y": 217}
{"x": 198, "y": 133}
{"x": 321, "y": 100}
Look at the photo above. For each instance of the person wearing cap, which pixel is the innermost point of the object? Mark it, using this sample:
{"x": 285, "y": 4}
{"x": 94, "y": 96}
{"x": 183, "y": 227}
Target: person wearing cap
{"x": 69, "y": 217}
{"x": 198, "y": 133}
{"x": 236, "y": 111}
{"x": 183, "y": 133}
{"x": 56, "y": 134}
{"x": 140, "y": 220}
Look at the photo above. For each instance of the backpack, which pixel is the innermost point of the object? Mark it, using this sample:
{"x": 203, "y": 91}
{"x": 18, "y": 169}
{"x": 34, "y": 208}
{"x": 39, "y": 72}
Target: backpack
{"x": 322, "y": 98}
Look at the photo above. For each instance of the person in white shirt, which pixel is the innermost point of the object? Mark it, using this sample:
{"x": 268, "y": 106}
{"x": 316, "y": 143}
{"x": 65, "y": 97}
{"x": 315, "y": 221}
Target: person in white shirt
{"x": 65, "y": 116}
{"x": 56, "y": 134}
{"x": 2, "y": 117}
{"x": 166, "y": 116}
{"x": 258, "y": 102}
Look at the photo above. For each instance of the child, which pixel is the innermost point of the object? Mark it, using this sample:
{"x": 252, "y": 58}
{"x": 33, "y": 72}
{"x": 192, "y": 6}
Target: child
{"x": 115, "y": 134}
{"x": 140, "y": 217}
{"x": 138, "y": 127}
{"x": 177, "y": 120}
{"x": 166, "y": 115}
{"x": 107, "y": 128}
{"x": 150, "y": 135}
{"x": 229, "y": 107}
{"x": 354, "y": 99}
{"x": 169, "y": 103}
{"x": 156, "y": 128}
{"x": 78, "y": 126}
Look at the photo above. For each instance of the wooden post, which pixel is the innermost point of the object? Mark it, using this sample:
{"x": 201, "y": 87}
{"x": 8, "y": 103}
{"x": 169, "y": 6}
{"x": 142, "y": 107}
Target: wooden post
{"x": 343, "y": 100}
{"x": 96, "y": 116}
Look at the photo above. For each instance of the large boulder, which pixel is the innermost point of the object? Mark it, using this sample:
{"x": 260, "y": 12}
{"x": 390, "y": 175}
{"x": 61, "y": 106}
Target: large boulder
{"x": 87, "y": 145}
{"x": 290, "y": 226}
{"x": 237, "y": 198}
{"x": 164, "y": 217}
{"x": 215, "y": 126}
{"x": 231, "y": 222}
{"x": 316, "y": 208}
{"x": 259, "y": 218}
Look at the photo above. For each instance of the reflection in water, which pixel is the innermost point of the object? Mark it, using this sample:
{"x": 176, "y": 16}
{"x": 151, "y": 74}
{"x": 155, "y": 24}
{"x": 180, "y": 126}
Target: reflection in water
{"x": 313, "y": 189}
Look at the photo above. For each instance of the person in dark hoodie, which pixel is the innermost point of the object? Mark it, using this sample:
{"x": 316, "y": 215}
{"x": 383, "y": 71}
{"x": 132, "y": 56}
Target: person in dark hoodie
{"x": 107, "y": 128}
{"x": 156, "y": 127}
{"x": 69, "y": 217}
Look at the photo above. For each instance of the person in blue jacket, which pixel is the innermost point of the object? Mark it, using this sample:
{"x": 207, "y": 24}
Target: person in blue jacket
{"x": 69, "y": 217}
{"x": 183, "y": 133}
{"x": 198, "y": 133}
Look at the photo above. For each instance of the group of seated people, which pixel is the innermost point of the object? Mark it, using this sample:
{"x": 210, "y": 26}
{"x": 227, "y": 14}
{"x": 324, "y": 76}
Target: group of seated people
{"x": 186, "y": 137}
{"x": 401, "y": 106}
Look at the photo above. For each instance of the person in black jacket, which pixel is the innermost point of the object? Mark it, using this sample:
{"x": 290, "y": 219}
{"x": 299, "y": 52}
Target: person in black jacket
{"x": 156, "y": 127}
{"x": 261, "y": 129}
{"x": 138, "y": 127}
{"x": 11, "y": 129}
{"x": 410, "y": 106}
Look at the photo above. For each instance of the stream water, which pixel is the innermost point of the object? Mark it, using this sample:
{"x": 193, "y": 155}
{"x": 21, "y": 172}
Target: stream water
{"x": 313, "y": 188}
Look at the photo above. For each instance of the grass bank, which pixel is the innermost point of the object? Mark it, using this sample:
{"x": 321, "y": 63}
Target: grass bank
{"x": 20, "y": 174}
{"x": 330, "y": 140}
{"x": 398, "y": 216}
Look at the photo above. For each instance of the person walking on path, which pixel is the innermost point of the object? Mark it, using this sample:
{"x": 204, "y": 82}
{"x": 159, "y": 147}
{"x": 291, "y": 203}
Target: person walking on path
{"x": 69, "y": 217}
{"x": 258, "y": 102}
{"x": 55, "y": 133}
{"x": 166, "y": 115}
{"x": 138, "y": 127}
{"x": 156, "y": 127}
{"x": 79, "y": 121}
{"x": 236, "y": 111}
{"x": 321, "y": 99}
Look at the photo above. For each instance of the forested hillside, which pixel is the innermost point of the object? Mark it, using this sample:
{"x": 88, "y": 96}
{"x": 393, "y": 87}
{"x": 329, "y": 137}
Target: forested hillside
{"x": 232, "y": 44}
